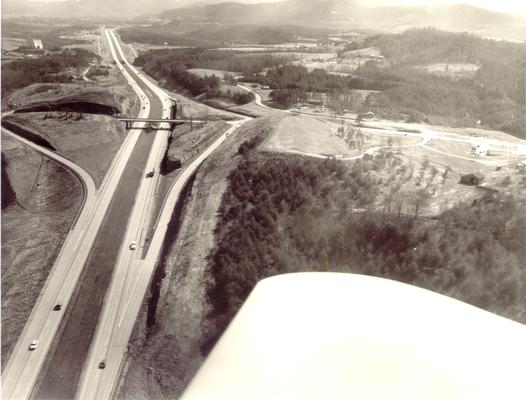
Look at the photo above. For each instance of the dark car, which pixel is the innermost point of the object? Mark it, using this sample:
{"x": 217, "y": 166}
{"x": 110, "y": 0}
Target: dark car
{"x": 102, "y": 364}
{"x": 57, "y": 307}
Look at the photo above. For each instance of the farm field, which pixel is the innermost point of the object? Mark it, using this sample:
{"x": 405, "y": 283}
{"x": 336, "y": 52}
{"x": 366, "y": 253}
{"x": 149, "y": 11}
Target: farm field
{"x": 204, "y": 72}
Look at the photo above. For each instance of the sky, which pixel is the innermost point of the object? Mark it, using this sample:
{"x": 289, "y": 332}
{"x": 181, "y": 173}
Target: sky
{"x": 506, "y": 6}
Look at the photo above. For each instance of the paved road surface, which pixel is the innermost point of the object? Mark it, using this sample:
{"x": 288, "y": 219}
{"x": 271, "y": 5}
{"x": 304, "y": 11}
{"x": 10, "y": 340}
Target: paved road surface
{"x": 63, "y": 367}
{"x": 131, "y": 279}
{"x": 23, "y": 365}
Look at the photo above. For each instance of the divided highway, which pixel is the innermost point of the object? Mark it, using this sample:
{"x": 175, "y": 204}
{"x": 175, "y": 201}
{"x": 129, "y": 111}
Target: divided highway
{"x": 23, "y": 366}
{"x": 63, "y": 367}
{"x": 132, "y": 275}
{"x": 98, "y": 278}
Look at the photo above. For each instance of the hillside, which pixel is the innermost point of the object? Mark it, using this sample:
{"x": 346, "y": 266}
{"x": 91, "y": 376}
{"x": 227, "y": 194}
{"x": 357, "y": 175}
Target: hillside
{"x": 494, "y": 94}
{"x": 348, "y": 14}
{"x": 41, "y": 197}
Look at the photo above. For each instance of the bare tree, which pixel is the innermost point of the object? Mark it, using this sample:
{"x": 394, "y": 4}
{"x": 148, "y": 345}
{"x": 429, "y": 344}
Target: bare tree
{"x": 398, "y": 202}
{"x": 419, "y": 199}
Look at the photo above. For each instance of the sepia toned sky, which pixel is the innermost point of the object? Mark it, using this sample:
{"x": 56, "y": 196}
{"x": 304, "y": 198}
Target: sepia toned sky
{"x": 506, "y": 6}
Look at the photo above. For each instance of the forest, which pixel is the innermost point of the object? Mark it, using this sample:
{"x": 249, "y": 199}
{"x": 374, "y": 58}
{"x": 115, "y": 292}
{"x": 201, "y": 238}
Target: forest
{"x": 287, "y": 214}
{"x": 172, "y": 65}
{"x": 291, "y": 83}
{"x": 495, "y": 95}
{"x": 44, "y": 69}
{"x": 218, "y": 35}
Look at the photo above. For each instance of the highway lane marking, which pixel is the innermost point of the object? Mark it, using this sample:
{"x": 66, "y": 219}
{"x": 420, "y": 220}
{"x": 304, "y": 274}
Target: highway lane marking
{"x": 93, "y": 219}
{"x": 104, "y": 343}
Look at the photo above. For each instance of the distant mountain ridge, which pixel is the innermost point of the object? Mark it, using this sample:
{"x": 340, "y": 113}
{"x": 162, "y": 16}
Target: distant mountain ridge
{"x": 455, "y": 17}
{"x": 103, "y": 9}
{"x": 326, "y": 13}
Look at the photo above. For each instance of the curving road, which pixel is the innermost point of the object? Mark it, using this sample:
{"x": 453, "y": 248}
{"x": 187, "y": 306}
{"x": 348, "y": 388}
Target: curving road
{"x": 427, "y": 135}
{"x": 23, "y": 364}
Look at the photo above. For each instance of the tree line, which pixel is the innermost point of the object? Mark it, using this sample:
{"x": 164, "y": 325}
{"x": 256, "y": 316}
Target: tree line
{"x": 172, "y": 67}
{"x": 47, "y": 68}
{"x": 495, "y": 95}
{"x": 287, "y": 214}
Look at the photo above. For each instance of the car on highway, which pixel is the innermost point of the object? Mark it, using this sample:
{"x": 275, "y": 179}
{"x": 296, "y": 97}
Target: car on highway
{"x": 57, "y": 307}
{"x": 33, "y": 345}
{"x": 150, "y": 174}
{"x": 133, "y": 245}
{"x": 102, "y": 364}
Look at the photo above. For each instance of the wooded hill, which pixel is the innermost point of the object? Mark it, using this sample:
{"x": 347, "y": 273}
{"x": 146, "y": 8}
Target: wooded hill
{"x": 495, "y": 95}
{"x": 283, "y": 214}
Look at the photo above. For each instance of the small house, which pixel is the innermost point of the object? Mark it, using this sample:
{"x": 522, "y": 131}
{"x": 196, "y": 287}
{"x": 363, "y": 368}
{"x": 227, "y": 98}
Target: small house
{"x": 473, "y": 179}
{"x": 37, "y": 44}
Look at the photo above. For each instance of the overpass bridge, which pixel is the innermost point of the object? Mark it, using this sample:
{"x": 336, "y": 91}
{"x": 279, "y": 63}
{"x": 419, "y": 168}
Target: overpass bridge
{"x": 154, "y": 123}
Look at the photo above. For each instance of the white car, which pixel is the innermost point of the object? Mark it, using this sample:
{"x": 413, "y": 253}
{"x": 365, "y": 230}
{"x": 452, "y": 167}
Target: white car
{"x": 33, "y": 345}
{"x": 133, "y": 245}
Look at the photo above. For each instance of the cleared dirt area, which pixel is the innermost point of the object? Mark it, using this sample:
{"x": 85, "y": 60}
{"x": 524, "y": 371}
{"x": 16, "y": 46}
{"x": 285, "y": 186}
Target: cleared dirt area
{"x": 165, "y": 356}
{"x": 186, "y": 145}
{"x": 144, "y": 47}
{"x": 409, "y": 166}
{"x": 453, "y": 70}
{"x": 309, "y": 135}
{"x": 36, "y": 217}
{"x": 91, "y": 141}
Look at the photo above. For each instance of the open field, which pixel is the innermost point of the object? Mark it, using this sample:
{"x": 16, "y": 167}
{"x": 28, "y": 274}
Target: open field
{"x": 365, "y": 52}
{"x": 272, "y": 47}
{"x": 12, "y": 43}
{"x": 454, "y": 70}
{"x": 204, "y": 72}
{"x": 433, "y": 164}
{"x": 309, "y": 135}
{"x": 85, "y": 40}
{"x": 190, "y": 109}
{"x": 44, "y": 200}
{"x": 144, "y": 47}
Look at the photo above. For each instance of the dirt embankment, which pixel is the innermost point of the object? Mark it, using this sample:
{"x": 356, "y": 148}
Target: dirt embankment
{"x": 91, "y": 141}
{"x": 187, "y": 143}
{"x": 165, "y": 356}
{"x": 40, "y": 198}
{"x": 38, "y": 208}
{"x": 64, "y": 97}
